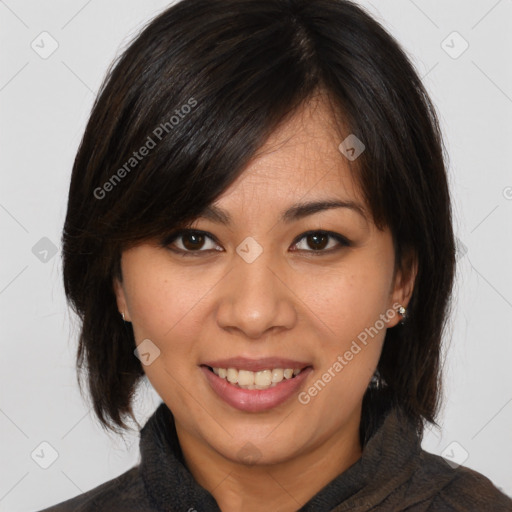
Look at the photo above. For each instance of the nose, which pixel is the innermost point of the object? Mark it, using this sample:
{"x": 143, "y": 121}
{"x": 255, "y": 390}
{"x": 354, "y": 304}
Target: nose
{"x": 255, "y": 298}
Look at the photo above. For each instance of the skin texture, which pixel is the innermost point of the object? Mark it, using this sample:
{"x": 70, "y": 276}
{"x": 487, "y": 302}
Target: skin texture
{"x": 292, "y": 301}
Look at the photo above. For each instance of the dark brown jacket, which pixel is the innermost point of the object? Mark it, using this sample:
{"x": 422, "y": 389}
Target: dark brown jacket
{"x": 393, "y": 474}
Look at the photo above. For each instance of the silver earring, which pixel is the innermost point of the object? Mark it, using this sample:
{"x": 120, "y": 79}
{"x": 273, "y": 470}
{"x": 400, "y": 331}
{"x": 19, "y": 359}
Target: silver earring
{"x": 122, "y": 314}
{"x": 402, "y": 311}
{"x": 376, "y": 381}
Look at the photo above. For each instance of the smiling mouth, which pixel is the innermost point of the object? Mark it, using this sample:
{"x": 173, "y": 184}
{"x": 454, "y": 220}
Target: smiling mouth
{"x": 263, "y": 379}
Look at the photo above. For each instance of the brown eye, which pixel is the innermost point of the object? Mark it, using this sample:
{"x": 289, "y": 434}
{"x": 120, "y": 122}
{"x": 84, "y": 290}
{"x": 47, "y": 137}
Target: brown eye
{"x": 193, "y": 241}
{"x": 189, "y": 241}
{"x": 319, "y": 242}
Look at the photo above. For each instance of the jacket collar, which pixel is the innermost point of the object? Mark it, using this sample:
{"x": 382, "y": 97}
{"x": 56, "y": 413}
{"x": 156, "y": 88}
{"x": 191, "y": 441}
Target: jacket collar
{"x": 388, "y": 459}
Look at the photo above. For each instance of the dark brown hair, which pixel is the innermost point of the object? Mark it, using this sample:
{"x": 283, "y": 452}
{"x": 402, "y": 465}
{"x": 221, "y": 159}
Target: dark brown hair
{"x": 201, "y": 88}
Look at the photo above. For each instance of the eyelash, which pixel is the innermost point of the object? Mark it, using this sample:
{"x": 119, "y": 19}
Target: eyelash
{"x": 343, "y": 242}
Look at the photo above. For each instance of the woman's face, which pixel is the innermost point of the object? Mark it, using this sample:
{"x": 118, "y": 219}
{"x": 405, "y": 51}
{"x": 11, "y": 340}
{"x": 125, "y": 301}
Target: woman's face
{"x": 259, "y": 291}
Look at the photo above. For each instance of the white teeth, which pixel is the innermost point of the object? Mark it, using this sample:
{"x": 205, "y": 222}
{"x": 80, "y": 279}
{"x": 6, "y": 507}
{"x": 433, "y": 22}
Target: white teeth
{"x": 232, "y": 375}
{"x": 263, "y": 379}
{"x": 277, "y": 374}
{"x": 245, "y": 378}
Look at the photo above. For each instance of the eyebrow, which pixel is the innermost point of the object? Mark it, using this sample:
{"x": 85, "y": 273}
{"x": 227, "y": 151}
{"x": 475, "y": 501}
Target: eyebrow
{"x": 294, "y": 213}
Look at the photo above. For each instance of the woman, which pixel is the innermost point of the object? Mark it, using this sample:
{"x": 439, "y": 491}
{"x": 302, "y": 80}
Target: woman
{"x": 259, "y": 222}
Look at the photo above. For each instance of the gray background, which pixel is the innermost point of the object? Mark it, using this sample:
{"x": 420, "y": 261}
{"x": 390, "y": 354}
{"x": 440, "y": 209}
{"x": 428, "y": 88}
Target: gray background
{"x": 44, "y": 105}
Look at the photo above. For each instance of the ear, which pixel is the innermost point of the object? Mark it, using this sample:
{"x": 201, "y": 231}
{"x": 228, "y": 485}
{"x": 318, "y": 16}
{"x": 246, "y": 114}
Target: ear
{"x": 402, "y": 286}
{"x": 121, "y": 298}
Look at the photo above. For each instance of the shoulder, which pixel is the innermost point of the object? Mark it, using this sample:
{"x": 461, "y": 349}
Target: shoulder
{"x": 458, "y": 489}
{"x": 124, "y": 493}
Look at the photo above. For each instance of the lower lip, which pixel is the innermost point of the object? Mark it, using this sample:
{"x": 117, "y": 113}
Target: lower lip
{"x": 255, "y": 400}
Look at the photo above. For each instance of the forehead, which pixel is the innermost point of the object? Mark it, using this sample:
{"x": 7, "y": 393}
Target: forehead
{"x": 300, "y": 161}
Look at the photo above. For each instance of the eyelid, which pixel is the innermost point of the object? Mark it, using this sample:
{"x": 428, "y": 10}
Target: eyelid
{"x": 342, "y": 241}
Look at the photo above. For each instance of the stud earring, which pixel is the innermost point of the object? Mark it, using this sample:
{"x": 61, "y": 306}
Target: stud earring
{"x": 403, "y": 312}
{"x": 122, "y": 314}
{"x": 376, "y": 381}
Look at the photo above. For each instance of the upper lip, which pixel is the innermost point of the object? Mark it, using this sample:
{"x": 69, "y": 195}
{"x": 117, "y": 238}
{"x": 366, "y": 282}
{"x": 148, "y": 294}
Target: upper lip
{"x": 265, "y": 363}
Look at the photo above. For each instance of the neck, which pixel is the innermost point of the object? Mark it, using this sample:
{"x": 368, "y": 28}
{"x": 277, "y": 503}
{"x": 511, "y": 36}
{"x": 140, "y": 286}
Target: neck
{"x": 287, "y": 485}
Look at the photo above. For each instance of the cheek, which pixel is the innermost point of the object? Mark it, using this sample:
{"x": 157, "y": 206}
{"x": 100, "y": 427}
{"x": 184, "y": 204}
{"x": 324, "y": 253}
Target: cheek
{"x": 348, "y": 303}
{"x": 167, "y": 305}
{"x": 156, "y": 297}
{"x": 350, "y": 298}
